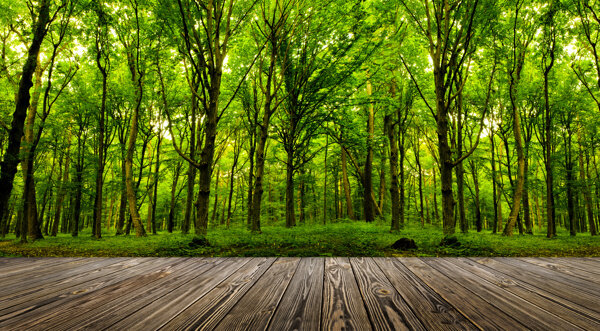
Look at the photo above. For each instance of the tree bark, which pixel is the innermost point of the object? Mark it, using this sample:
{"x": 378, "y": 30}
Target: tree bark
{"x": 587, "y": 192}
{"x": 368, "y": 202}
{"x": 346, "y": 184}
{"x": 394, "y": 193}
{"x": 290, "y": 213}
{"x": 96, "y": 231}
{"x": 8, "y": 167}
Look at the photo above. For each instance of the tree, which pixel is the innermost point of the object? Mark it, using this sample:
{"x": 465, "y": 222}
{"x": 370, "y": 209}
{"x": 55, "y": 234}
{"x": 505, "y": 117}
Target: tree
{"x": 8, "y": 167}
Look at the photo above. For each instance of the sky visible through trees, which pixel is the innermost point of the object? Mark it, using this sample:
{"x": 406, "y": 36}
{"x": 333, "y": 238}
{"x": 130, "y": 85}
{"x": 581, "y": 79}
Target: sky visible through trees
{"x": 140, "y": 116}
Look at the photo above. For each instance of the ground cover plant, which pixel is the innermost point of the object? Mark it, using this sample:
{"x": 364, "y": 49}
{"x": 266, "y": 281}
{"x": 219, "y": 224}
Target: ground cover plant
{"x": 337, "y": 239}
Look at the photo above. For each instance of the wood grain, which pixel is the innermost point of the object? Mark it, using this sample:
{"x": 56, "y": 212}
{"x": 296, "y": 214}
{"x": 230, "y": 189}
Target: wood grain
{"x": 386, "y": 308}
{"x": 299, "y": 293}
{"x": 255, "y": 309}
{"x": 520, "y": 289}
{"x": 477, "y": 310}
{"x": 296, "y": 310}
{"x": 343, "y": 308}
{"x": 164, "y": 308}
{"x": 214, "y": 306}
{"x": 433, "y": 311}
{"x": 37, "y": 313}
{"x": 579, "y": 297}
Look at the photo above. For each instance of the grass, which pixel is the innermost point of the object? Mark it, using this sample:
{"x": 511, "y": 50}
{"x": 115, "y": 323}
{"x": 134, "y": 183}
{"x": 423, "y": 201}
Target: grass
{"x": 336, "y": 239}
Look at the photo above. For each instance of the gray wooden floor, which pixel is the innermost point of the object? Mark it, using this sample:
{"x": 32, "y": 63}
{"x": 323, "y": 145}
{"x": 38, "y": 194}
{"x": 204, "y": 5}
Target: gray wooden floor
{"x": 294, "y": 293}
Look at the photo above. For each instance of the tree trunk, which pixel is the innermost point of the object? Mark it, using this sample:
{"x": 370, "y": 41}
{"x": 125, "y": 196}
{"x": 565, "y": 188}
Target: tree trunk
{"x": 478, "y": 222}
{"x": 346, "y": 182}
{"x": 155, "y": 184}
{"x": 250, "y": 183}
{"x": 258, "y": 179}
{"x": 394, "y": 194}
{"x": 500, "y": 189}
{"x": 435, "y": 204}
{"x": 231, "y": 179}
{"x": 96, "y": 230}
{"x": 420, "y": 170}
{"x": 325, "y": 182}
{"x": 526, "y": 204}
{"x": 290, "y": 214}
{"x": 171, "y": 219}
{"x": 460, "y": 169}
{"x": 8, "y": 167}
{"x": 587, "y": 192}
{"x": 368, "y": 202}
{"x": 570, "y": 180}
{"x": 214, "y": 212}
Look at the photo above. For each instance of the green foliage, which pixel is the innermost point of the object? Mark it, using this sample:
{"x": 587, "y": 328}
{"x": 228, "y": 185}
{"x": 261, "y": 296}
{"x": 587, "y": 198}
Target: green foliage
{"x": 343, "y": 238}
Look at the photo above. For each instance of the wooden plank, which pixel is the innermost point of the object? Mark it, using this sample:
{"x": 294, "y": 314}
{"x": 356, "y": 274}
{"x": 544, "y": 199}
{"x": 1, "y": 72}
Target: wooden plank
{"x": 582, "y": 299}
{"x": 39, "y": 268}
{"x": 431, "y": 309}
{"x": 255, "y": 309}
{"x": 563, "y": 267}
{"x": 300, "y": 306}
{"x": 479, "y": 311}
{"x": 386, "y": 308}
{"x": 32, "y": 286}
{"x": 527, "y": 293}
{"x": 36, "y": 313}
{"x": 164, "y": 308}
{"x": 577, "y": 263}
{"x": 106, "y": 311}
{"x": 534, "y": 316}
{"x": 70, "y": 287}
{"x": 343, "y": 307}
{"x": 9, "y": 262}
{"x": 209, "y": 310}
{"x": 568, "y": 281}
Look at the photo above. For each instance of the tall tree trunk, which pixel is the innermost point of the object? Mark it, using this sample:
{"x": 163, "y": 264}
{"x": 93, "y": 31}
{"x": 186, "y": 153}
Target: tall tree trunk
{"x": 250, "y": 182}
{"x": 96, "y": 230}
{"x": 381, "y": 184}
{"x": 214, "y": 212}
{"x": 131, "y": 194}
{"x": 171, "y": 219}
{"x": 368, "y": 202}
{"x": 515, "y": 77}
{"x": 63, "y": 177}
{"x": 587, "y": 192}
{"x": 78, "y": 194}
{"x": 325, "y": 182}
{"x": 435, "y": 204}
{"x": 123, "y": 200}
{"x": 526, "y": 204}
{"x": 394, "y": 194}
{"x": 420, "y": 170}
{"x": 460, "y": 168}
{"x": 155, "y": 184}
{"x": 258, "y": 177}
{"x": 570, "y": 178}
{"x": 290, "y": 213}
{"x": 478, "y": 222}
{"x": 495, "y": 194}
{"x": 346, "y": 182}
{"x": 8, "y": 167}
{"x": 236, "y": 156}
{"x": 500, "y": 188}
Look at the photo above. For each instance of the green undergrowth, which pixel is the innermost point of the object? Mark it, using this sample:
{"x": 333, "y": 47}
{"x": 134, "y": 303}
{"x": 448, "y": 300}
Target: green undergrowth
{"x": 336, "y": 239}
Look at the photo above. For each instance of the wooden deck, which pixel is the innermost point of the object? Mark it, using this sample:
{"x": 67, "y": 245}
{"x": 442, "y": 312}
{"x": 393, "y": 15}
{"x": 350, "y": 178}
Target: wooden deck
{"x": 294, "y": 293}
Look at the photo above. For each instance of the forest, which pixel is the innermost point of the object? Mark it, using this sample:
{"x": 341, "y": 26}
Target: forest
{"x": 140, "y": 117}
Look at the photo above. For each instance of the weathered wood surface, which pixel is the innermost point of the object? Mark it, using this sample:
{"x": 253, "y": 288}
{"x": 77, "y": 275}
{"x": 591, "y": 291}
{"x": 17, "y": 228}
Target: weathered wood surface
{"x": 299, "y": 294}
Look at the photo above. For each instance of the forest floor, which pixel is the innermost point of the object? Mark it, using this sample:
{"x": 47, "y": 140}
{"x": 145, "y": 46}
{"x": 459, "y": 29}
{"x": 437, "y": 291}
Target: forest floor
{"x": 335, "y": 239}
